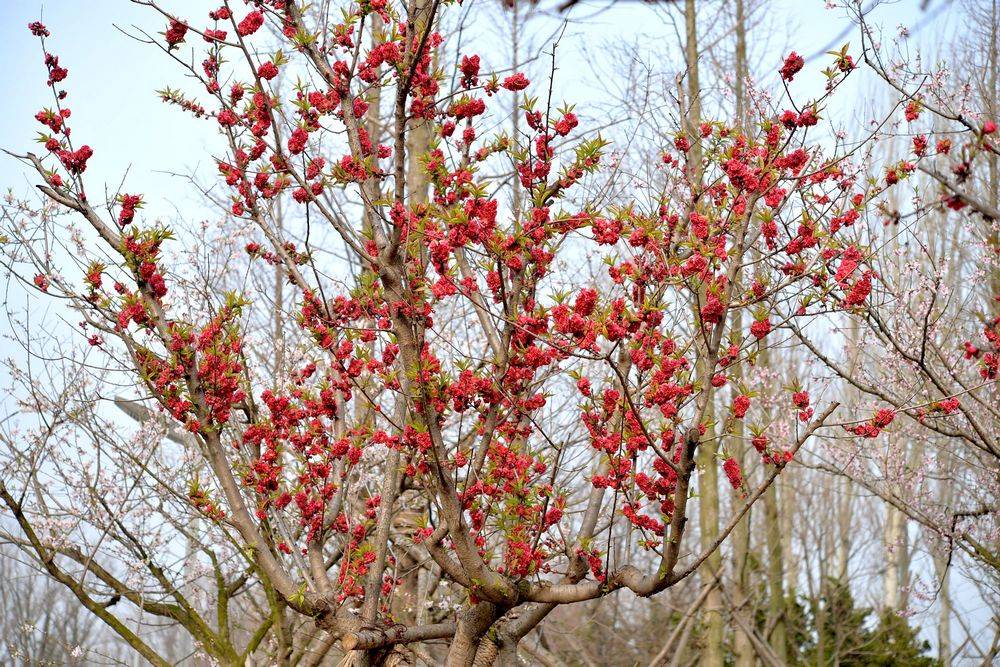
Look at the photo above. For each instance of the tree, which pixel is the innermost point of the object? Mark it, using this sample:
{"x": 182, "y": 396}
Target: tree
{"x": 840, "y": 636}
{"x": 491, "y": 374}
{"x": 44, "y": 625}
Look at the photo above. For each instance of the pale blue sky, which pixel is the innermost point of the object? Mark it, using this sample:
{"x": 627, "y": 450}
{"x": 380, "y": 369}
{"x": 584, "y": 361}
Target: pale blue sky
{"x": 113, "y": 78}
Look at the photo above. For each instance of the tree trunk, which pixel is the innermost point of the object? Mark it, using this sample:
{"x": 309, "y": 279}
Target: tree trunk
{"x": 708, "y": 474}
{"x": 893, "y": 542}
{"x": 742, "y": 644}
{"x": 775, "y": 574}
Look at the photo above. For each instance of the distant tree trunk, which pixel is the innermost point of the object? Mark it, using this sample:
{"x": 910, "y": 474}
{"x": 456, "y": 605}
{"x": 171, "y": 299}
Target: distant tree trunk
{"x": 845, "y": 492}
{"x": 405, "y": 607}
{"x": 693, "y": 89}
{"x": 418, "y": 134}
{"x": 942, "y": 570}
{"x": 990, "y": 104}
{"x": 775, "y": 574}
{"x": 708, "y": 478}
{"x": 894, "y": 532}
{"x": 742, "y": 646}
{"x": 708, "y": 494}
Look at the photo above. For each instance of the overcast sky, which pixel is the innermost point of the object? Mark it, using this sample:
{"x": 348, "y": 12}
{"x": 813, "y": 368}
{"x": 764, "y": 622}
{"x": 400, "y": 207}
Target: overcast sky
{"x": 113, "y": 77}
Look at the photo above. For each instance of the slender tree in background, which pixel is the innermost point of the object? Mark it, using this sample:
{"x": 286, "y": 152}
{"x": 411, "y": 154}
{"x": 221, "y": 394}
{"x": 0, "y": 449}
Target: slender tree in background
{"x": 439, "y": 372}
{"x": 742, "y": 644}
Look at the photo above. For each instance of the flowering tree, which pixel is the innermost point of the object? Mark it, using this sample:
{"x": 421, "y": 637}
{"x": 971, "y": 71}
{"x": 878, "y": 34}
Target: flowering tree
{"x": 484, "y": 373}
{"x": 933, "y": 328}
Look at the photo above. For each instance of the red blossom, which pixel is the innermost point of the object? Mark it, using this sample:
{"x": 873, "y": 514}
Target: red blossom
{"x": 733, "y": 473}
{"x": 129, "y": 204}
{"x": 250, "y": 24}
{"x": 800, "y": 399}
{"x": 56, "y": 73}
{"x": 713, "y": 310}
{"x": 267, "y": 71}
{"x": 566, "y": 124}
{"x": 75, "y": 161}
{"x": 884, "y": 417}
{"x": 467, "y": 108}
{"x": 859, "y": 292}
{"x": 792, "y": 65}
{"x": 175, "y": 33}
{"x": 740, "y": 406}
{"x": 227, "y": 118}
{"x": 297, "y": 142}
{"x": 516, "y": 82}
{"x": 469, "y": 67}
{"x": 760, "y": 328}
